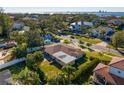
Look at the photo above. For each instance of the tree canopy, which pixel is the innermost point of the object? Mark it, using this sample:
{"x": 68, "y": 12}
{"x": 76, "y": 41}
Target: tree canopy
{"x": 118, "y": 39}
{"x": 28, "y": 77}
{"x": 5, "y": 25}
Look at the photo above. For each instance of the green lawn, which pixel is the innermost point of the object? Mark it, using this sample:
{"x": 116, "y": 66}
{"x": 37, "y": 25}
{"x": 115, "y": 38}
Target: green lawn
{"x": 50, "y": 70}
{"x": 103, "y": 57}
{"x": 89, "y": 40}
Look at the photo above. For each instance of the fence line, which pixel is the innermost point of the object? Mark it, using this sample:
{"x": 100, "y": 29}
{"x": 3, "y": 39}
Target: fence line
{"x": 10, "y": 63}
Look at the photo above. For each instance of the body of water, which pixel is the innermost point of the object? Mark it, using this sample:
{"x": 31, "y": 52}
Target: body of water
{"x": 117, "y": 14}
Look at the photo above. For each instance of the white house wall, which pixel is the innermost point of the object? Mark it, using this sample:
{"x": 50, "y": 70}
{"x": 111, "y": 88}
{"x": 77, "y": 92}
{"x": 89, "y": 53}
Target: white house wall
{"x": 116, "y": 72}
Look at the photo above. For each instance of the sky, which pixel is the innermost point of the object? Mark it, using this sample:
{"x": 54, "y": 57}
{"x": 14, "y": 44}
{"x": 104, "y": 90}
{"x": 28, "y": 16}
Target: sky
{"x": 61, "y": 9}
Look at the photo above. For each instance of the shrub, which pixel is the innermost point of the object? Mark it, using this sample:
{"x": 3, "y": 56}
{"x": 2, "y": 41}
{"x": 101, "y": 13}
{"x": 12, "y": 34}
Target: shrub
{"x": 88, "y": 44}
{"x": 67, "y": 41}
{"x": 82, "y": 46}
{"x": 81, "y": 42}
{"x": 72, "y": 37}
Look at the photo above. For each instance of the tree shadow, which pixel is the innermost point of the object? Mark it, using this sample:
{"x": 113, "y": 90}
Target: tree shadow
{"x": 56, "y": 64}
{"x": 80, "y": 61}
{"x": 121, "y": 52}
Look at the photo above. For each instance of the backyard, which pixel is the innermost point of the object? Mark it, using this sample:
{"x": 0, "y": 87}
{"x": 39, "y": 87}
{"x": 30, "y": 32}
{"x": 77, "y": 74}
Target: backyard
{"x": 50, "y": 70}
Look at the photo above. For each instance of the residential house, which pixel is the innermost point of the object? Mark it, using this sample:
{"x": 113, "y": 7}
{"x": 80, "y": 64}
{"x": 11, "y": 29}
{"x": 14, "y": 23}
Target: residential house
{"x": 76, "y": 26}
{"x": 63, "y": 54}
{"x": 110, "y": 74}
{"x": 115, "y": 22}
{"x": 48, "y": 38}
{"x": 26, "y": 28}
{"x": 34, "y": 17}
{"x": 88, "y": 24}
{"x": 107, "y": 35}
{"x": 11, "y": 17}
{"x": 18, "y": 25}
{"x": 9, "y": 44}
{"x": 95, "y": 33}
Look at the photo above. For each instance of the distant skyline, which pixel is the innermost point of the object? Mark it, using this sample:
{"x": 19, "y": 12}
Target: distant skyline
{"x": 61, "y": 9}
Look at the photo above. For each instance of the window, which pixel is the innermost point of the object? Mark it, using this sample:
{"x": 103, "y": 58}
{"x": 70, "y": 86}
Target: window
{"x": 119, "y": 72}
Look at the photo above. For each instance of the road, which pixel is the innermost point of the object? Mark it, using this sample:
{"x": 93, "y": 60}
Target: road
{"x": 100, "y": 47}
{"x": 104, "y": 49}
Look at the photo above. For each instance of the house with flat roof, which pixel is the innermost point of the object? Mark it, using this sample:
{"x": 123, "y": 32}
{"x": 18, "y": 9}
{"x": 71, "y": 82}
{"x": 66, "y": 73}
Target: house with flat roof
{"x": 63, "y": 54}
{"x": 110, "y": 74}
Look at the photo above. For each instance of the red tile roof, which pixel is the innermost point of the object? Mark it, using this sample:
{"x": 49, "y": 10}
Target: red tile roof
{"x": 117, "y": 63}
{"x": 103, "y": 70}
{"x": 51, "y": 49}
{"x": 113, "y": 79}
{"x": 99, "y": 66}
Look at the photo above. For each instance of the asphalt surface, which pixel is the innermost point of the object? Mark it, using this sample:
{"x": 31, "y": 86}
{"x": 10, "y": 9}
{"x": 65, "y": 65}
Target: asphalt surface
{"x": 104, "y": 49}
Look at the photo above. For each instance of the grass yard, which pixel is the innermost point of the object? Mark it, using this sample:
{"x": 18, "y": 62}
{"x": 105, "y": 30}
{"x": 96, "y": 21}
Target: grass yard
{"x": 104, "y": 58}
{"x": 89, "y": 40}
{"x": 50, "y": 70}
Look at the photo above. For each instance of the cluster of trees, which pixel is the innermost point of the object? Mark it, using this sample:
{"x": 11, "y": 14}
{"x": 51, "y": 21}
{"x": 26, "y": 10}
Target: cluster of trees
{"x": 86, "y": 17}
{"x": 118, "y": 39}
{"x": 61, "y": 22}
{"x": 5, "y": 24}
{"x": 85, "y": 71}
{"x": 27, "y": 77}
{"x": 31, "y": 74}
{"x": 25, "y": 40}
{"x": 32, "y": 60}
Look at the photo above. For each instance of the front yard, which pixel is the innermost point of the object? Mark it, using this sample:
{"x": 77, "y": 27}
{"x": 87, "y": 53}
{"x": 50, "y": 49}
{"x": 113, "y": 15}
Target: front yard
{"x": 102, "y": 57}
{"x": 89, "y": 40}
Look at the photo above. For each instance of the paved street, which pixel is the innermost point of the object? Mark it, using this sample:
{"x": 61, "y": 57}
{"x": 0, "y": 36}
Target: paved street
{"x": 100, "y": 47}
{"x": 104, "y": 49}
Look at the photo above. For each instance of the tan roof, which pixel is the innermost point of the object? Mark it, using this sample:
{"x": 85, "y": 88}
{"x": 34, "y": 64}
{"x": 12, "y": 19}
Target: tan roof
{"x": 113, "y": 79}
{"x": 117, "y": 63}
{"x": 51, "y": 49}
{"x": 99, "y": 66}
